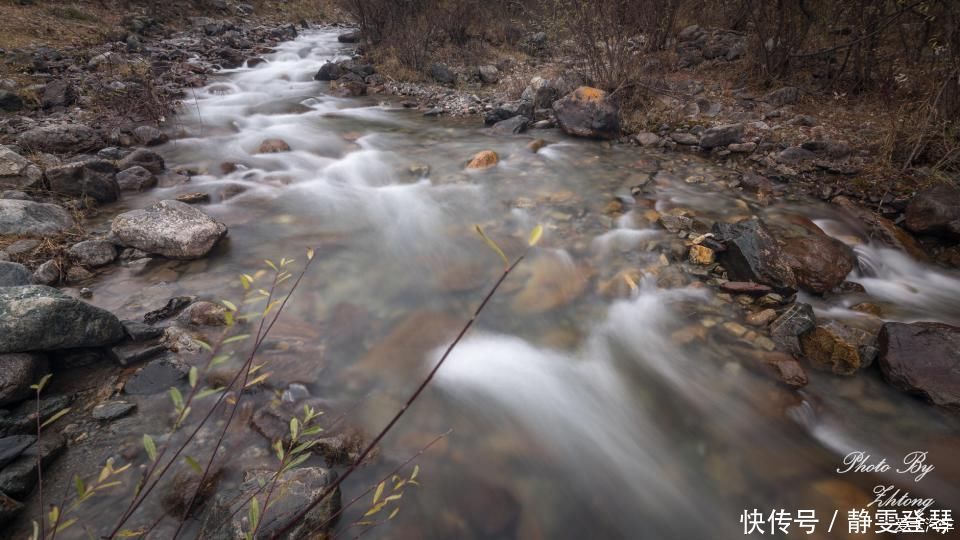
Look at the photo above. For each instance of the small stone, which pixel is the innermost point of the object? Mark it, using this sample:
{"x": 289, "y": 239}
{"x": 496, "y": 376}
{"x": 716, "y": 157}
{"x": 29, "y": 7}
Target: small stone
{"x": 702, "y": 255}
{"x": 484, "y": 160}
{"x": 194, "y": 198}
{"x": 734, "y": 329}
{"x": 273, "y": 146}
{"x": 796, "y": 321}
{"x": 745, "y": 287}
{"x": 761, "y": 318}
{"x": 93, "y": 252}
{"x": 47, "y": 273}
{"x": 742, "y": 148}
{"x": 536, "y": 144}
{"x": 111, "y": 410}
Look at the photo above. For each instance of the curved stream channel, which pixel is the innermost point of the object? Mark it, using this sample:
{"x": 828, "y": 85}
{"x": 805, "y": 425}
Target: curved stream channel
{"x": 576, "y": 410}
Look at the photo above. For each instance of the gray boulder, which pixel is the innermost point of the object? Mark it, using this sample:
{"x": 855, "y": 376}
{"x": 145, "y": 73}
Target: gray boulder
{"x": 147, "y": 159}
{"x": 41, "y": 318}
{"x": 150, "y": 136}
{"x": 17, "y": 373}
{"x": 136, "y": 178}
{"x": 58, "y": 94}
{"x": 588, "y": 112}
{"x": 61, "y": 139}
{"x": 169, "y": 228}
{"x": 94, "y": 178}
{"x": 93, "y": 252}
{"x": 511, "y": 126}
{"x": 488, "y": 74}
{"x": 13, "y": 275}
{"x": 28, "y": 218}
{"x": 722, "y": 136}
{"x": 443, "y": 74}
{"x": 17, "y": 172}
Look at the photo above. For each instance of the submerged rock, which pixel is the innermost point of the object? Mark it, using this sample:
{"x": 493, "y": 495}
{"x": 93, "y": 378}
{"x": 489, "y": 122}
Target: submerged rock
{"x": 922, "y": 358}
{"x": 484, "y": 160}
{"x": 28, "y": 314}
{"x": 588, "y": 112}
{"x": 169, "y": 228}
{"x": 838, "y": 348}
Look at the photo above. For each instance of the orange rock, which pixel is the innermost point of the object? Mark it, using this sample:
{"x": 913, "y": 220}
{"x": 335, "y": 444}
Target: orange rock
{"x": 273, "y": 146}
{"x": 484, "y": 160}
{"x": 536, "y": 144}
{"x": 589, "y": 94}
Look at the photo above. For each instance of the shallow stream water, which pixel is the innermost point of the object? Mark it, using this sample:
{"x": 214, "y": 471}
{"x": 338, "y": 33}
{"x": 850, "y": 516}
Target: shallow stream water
{"x": 577, "y": 411}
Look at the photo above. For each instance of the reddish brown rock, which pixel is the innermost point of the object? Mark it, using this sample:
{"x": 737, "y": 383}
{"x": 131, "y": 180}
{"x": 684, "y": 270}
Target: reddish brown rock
{"x": 922, "y": 358}
{"x": 273, "y": 146}
{"x": 484, "y": 160}
{"x": 818, "y": 261}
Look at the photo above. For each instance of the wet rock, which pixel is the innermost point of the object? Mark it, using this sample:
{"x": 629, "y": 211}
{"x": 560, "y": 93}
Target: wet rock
{"x": 330, "y": 71}
{"x": 881, "y": 229}
{"x": 348, "y": 87}
{"x": 484, "y": 160}
{"x": 61, "y": 139}
{"x": 786, "y": 369}
{"x": 173, "y": 307}
{"x": 818, "y": 261}
{"x": 169, "y": 228}
{"x": 10, "y": 101}
{"x": 273, "y": 146}
{"x": 702, "y": 255}
{"x": 157, "y": 376}
{"x": 753, "y": 254}
{"x": 205, "y": 314}
{"x": 128, "y": 354}
{"x": 787, "y": 95}
{"x": 536, "y": 145}
{"x": 922, "y": 358}
{"x": 184, "y": 495}
{"x": 511, "y": 126}
{"x": 11, "y": 447}
{"x": 27, "y": 314}
{"x": 935, "y": 211}
{"x": 443, "y": 74}
{"x": 58, "y": 94}
{"x": 13, "y": 274}
{"x": 302, "y": 486}
{"x": 148, "y": 159}
{"x": 17, "y": 373}
{"x": 47, "y": 273}
{"x": 588, "y": 112}
{"x": 754, "y": 183}
{"x": 93, "y": 252}
{"x": 111, "y": 410}
{"x": 550, "y": 283}
{"x": 136, "y": 178}
{"x": 150, "y": 135}
{"x": 194, "y": 198}
{"x": 745, "y": 287}
{"x": 796, "y": 321}
{"x": 349, "y": 37}
{"x": 722, "y": 135}
{"x": 838, "y": 348}
{"x": 17, "y": 172}
{"x": 19, "y": 478}
{"x": 508, "y": 110}
{"x": 95, "y": 178}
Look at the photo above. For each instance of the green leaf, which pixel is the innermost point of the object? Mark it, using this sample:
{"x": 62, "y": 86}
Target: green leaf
{"x": 193, "y": 464}
{"x": 294, "y": 428}
{"x": 230, "y": 305}
{"x": 416, "y": 471}
{"x": 310, "y": 253}
{"x": 254, "y": 513}
{"x": 535, "y": 235}
{"x": 192, "y": 376}
{"x": 203, "y": 345}
{"x": 233, "y": 339}
{"x": 270, "y": 264}
{"x": 79, "y": 485}
{"x": 379, "y": 492}
{"x": 492, "y": 245}
{"x": 59, "y": 414}
{"x": 394, "y": 513}
{"x": 278, "y": 448}
{"x": 208, "y": 391}
{"x": 246, "y": 281}
{"x": 63, "y": 526}
{"x": 296, "y": 461}
{"x": 177, "y": 398}
{"x": 54, "y": 515}
{"x": 220, "y": 358}
{"x": 150, "y": 447}
{"x": 42, "y": 383}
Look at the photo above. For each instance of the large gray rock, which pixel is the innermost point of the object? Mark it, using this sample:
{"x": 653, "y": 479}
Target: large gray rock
{"x": 94, "y": 178}
{"x": 935, "y": 210}
{"x": 13, "y": 274}
{"x": 61, "y": 139}
{"x": 136, "y": 178}
{"x": 17, "y": 172}
{"x": 588, "y": 112}
{"x": 93, "y": 252}
{"x": 28, "y": 218}
{"x": 41, "y": 318}
{"x": 169, "y": 228}
{"x": 58, "y": 94}
{"x": 753, "y": 254}
{"x": 722, "y": 136}
{"x": 17, "y": 372}
{"x": 147, "y": 159}
{"x": 922, "y": 358}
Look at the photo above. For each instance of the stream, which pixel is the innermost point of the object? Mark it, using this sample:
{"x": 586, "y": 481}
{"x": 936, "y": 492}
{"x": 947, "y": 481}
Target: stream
{"x": 576, "y": 410}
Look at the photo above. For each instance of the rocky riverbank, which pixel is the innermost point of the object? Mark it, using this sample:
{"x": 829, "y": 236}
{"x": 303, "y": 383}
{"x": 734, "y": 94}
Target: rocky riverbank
{"x": 76, "y": 129}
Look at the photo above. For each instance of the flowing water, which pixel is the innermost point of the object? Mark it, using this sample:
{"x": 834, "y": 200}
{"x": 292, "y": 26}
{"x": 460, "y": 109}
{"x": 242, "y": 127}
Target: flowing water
{"x": 577, "y": 410}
